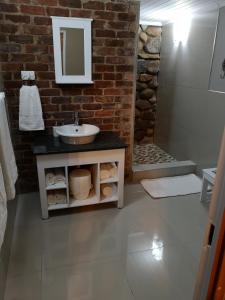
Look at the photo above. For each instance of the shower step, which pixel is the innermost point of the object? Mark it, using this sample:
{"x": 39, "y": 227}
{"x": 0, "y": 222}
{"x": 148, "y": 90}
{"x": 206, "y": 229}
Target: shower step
{"x": 150, "y": 171}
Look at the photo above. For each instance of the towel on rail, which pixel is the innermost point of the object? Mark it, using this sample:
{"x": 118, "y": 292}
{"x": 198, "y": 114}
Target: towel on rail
{"x": 3, "y": 208}
{"x": 7, "y": 157}
{"x": 30, "y": 110}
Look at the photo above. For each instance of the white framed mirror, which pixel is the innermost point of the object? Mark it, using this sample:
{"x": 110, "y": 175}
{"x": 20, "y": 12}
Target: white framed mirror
{"x": 72, "y": 50}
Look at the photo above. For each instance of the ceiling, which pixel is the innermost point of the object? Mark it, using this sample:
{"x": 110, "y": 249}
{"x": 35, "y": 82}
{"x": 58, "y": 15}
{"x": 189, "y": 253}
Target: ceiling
{"x": 160, "y": 12}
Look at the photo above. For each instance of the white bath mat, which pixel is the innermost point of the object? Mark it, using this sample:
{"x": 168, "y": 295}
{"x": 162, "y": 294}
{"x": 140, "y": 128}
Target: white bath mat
{"x": 172, "y": 186}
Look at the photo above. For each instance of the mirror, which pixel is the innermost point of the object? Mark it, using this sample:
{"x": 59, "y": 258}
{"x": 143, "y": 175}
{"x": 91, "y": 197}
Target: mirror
{"x": 72, "y": 44}
{"x": 72, "y": 50}
{"x": 217, "y": 74}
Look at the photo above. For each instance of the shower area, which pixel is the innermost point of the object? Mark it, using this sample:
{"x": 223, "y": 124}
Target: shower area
{"x": 146, "y": 150}
{"x": 179, "y": 117}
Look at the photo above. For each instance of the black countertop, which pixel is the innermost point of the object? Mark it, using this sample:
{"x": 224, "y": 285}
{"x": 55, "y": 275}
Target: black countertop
{"x": 47, "y": 144}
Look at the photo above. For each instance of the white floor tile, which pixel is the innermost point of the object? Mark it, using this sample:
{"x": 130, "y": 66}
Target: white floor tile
{"x": 147, "y": 250}
{"x": 161, "y": 273}
{"x": 26, "y": 251}
{"x": 148, "y": 277}
{"x": 102, "y": 236}
{"x": 28, "y": 210}
{"x": 87, "y": 281}
{"x": 25, "y": 287}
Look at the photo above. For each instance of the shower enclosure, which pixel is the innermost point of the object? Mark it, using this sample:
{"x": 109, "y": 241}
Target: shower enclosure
{"x": 148, "y": 67}
{"x": 177, "y": 116}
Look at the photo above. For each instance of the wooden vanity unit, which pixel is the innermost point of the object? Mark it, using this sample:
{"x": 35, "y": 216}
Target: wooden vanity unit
{"x": 52, "y": 154}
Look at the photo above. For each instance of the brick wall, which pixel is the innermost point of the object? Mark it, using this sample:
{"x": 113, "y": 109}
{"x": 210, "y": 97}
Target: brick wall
{"x": 26, "y": 44}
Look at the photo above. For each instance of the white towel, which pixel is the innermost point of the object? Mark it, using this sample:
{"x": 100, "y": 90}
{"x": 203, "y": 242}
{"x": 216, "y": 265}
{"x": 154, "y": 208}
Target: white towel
{"x": 8, "y": 169}
{"x": 3, "y": 208}
{"x": 7, "y": 157}
{"x": 50, "y": 178}
{"x": 30, "y": 111}
{"x": 60, "y": 176}
{"x": 55, "y": 176}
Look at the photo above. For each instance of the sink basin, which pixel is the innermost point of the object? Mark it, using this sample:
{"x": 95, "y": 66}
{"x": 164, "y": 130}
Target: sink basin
{"x": 77, "y": 134}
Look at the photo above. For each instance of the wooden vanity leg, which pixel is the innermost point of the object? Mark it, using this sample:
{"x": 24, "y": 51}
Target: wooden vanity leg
{"x": 42, "y": 191}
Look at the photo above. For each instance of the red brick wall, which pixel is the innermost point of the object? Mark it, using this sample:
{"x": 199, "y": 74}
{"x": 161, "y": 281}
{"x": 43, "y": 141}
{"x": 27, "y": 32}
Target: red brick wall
{"x": 26, "y": 44}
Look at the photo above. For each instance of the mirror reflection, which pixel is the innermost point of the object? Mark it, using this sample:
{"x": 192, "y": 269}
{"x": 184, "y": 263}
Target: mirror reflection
{"x": 72, "y": 51}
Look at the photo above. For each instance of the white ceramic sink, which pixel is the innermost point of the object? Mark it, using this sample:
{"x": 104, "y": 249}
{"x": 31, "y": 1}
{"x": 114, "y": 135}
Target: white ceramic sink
{"x": 77, "y": 134}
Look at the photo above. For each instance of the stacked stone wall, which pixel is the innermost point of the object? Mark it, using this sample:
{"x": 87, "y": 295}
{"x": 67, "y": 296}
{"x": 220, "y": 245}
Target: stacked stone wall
{"x": 147, "y": 83}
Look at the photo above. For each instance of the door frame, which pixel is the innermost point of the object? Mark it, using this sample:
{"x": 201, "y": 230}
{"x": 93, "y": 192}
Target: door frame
{"x": 212, "y": 233}
{"x": 217, "y": 277}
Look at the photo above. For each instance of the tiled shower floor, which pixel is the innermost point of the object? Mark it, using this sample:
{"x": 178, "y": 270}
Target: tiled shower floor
{"x": 150, "y": 154}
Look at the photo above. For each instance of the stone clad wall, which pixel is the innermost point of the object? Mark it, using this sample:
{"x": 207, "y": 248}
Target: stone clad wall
{"x": 26, "y": 44}
{"x": 147, "y": 83}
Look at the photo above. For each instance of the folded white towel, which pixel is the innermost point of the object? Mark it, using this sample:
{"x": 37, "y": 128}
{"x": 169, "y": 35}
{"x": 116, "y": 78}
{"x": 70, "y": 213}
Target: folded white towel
{"x": 50, "y": 178}
{"x": 7, "y": 157}
{"x": 55, "y": 176}
{"x": 108, "y": 170}
{"x": 30, "y": 110}
{"x": 56, "y": 197}
{"x": 59, "y": 176}
{"x": 60, "y": 196}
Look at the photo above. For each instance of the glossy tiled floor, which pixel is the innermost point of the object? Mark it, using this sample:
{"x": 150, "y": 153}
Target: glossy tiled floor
{"x": 147, "y": 250}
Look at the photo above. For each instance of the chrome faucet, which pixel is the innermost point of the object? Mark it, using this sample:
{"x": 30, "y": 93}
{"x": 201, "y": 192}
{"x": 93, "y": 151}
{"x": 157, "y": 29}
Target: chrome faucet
{"x": 76, "y": 118}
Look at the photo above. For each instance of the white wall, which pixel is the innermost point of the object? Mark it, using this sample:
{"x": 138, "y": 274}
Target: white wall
{"x": 190, "y": 118}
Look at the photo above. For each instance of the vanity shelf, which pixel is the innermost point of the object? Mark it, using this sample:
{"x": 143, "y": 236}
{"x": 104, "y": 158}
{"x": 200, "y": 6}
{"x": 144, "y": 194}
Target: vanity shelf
{"x": 56, "y": 154}
{"x": 55, "y": 178}
{"x": 113, "y": 178}
{"x": 56, "y": 186}
{"x": 114, "y": 196}
{"x": 89, "y": 201}
{"x": 109, "y": 180}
